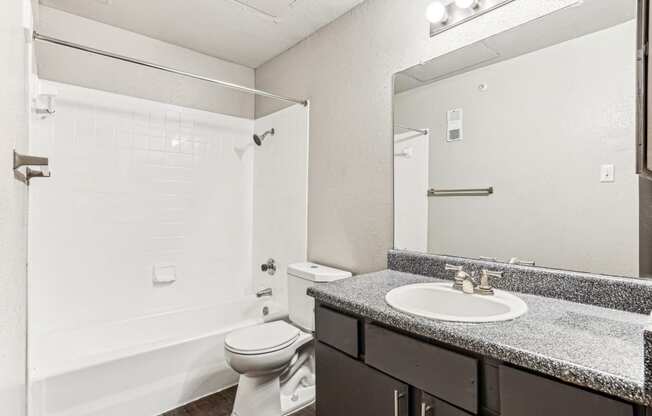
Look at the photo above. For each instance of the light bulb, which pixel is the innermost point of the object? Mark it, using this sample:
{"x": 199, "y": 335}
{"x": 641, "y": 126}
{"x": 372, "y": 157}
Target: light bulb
{"x": 437, "y": 13}
{"x": 466, "y": 4}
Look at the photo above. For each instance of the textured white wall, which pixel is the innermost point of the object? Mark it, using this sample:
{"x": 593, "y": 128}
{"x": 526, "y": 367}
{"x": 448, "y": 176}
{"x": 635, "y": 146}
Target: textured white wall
{"x": 135, "y": 184}
{"x": 280, "y": 197}
{"x": 346, "y": 70}
{"x": 61, "y": 64}
{"x": 13, "y": 209}
{"x": 539, "y": 140}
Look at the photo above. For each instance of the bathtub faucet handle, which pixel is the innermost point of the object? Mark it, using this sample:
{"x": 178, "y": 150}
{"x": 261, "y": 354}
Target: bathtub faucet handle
{"x": 269, "y": 267}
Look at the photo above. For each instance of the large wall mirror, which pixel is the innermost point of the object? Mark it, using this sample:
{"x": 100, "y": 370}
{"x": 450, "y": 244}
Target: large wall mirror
{"x": 523, "y": 147}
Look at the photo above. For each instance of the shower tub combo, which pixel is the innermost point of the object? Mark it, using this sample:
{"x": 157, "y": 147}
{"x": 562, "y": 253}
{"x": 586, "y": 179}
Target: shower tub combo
{"x": 124, "y": 166}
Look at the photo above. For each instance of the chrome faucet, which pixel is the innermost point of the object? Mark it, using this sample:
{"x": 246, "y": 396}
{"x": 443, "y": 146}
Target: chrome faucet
{"x": 465, "y": 282}
{"x": 264, "y": 292}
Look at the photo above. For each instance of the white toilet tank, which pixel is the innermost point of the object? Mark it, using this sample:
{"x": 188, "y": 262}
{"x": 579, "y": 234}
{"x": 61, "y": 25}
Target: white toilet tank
{"x": 301, "y": 276}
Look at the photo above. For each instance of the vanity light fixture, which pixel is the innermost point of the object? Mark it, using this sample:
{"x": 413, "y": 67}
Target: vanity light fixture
{"x": 446, "y": 14}
{"x": 437, "y": 12}
{"x": 467, "y": 4}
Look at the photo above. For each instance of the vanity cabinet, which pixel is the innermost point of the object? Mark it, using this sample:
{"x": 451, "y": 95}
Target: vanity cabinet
{"x": 349, "y": 387}
{"x": 366, "y": 369}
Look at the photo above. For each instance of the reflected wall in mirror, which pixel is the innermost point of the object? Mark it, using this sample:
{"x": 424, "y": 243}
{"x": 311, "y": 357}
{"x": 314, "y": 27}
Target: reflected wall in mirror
{"x": 529, "y": 147}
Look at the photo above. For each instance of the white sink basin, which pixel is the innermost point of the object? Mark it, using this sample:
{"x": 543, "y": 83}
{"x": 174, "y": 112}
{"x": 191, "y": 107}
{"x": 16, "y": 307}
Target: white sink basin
{"x": 440, "y": 301}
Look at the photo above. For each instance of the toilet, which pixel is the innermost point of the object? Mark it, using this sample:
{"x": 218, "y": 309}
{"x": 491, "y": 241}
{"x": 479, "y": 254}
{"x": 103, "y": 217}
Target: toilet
{"x": 275, "y": 360}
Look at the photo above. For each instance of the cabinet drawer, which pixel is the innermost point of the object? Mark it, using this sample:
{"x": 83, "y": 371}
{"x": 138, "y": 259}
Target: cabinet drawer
{"x": 523, "y": 393}
{"x": 445, "y": 374}
{"x": 338, "y": 330}
{"x": 347, "y": 387}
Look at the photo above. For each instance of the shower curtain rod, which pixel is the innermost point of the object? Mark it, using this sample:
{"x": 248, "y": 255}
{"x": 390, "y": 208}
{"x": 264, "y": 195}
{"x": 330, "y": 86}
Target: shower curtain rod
{"x": 55, "y": 41}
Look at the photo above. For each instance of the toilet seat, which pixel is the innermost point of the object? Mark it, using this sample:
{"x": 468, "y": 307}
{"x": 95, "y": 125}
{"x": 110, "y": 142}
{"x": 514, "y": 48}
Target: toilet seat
{"x": 262, "y": 339}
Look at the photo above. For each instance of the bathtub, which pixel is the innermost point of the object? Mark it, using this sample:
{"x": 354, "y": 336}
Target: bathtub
{"x": 138, "y": 367}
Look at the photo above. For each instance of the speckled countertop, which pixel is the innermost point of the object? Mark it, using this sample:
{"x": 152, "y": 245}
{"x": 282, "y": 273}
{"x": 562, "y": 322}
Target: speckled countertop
{"x": 591, "y": 346}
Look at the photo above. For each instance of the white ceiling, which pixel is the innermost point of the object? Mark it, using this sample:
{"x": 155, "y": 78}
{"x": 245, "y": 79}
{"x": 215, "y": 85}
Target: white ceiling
{"x": 248, "y": 32}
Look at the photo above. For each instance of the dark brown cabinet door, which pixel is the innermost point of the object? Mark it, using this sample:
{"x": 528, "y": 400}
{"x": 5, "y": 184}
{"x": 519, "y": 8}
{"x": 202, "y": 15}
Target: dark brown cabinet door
{"x": 337, "y": 330}
{"x": 523, "y": 393}
{"x": 431, "y": 406}
{"x": 346, "y": 387}
{"x": 442, "y": 373}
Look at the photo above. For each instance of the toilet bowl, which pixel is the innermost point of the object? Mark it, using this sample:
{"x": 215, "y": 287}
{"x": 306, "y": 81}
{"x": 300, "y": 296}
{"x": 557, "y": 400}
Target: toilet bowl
{"x": 264, "y": 356}
{"x": 275, "y": 360}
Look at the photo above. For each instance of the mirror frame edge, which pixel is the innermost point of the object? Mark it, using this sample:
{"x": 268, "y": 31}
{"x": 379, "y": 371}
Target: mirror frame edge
{"x": 642, "y": 97}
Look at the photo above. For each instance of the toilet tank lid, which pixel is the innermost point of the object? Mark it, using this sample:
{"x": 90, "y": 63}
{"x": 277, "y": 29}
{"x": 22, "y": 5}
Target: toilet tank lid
{"x": 316, "y": 272}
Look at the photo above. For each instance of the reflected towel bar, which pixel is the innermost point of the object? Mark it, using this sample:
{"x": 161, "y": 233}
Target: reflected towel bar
{"x": 461, "y": 192}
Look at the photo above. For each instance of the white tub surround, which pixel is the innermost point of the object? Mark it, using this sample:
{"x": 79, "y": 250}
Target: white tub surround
{"x": 280, "y": 208}
{"x": 137, "y": 185}
{"x": 140, "y": 254}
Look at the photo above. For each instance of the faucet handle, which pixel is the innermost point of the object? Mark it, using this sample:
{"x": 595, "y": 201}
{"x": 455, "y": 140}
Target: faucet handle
{"x": 519, "y": 262}
{"x": 484, "y": 288}
{"x": 492, "y": 273}
{"x": 460, "y": 275}
{"x": 269, "y": 267}
{"x": 454, "y": 268}
{"x": 485, "y": 258}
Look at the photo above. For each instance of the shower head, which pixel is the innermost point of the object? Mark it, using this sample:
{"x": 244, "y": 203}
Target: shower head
{"x": 259, "y": 139}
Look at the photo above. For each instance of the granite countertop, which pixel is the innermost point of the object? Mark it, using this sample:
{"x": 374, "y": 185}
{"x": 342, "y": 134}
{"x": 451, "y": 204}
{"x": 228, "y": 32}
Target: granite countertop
{"x": 598, "y": 348}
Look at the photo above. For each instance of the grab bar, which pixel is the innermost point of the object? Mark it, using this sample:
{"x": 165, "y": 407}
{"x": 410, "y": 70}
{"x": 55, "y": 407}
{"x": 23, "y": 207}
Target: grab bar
{"x": 461, "y": 192}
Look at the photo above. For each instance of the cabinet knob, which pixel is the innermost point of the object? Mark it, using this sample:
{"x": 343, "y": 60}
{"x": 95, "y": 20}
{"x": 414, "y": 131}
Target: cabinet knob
{"x": 425, "y": 408}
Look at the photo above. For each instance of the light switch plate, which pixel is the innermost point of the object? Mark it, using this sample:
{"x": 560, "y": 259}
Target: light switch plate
{"x": 607, "y": 173}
